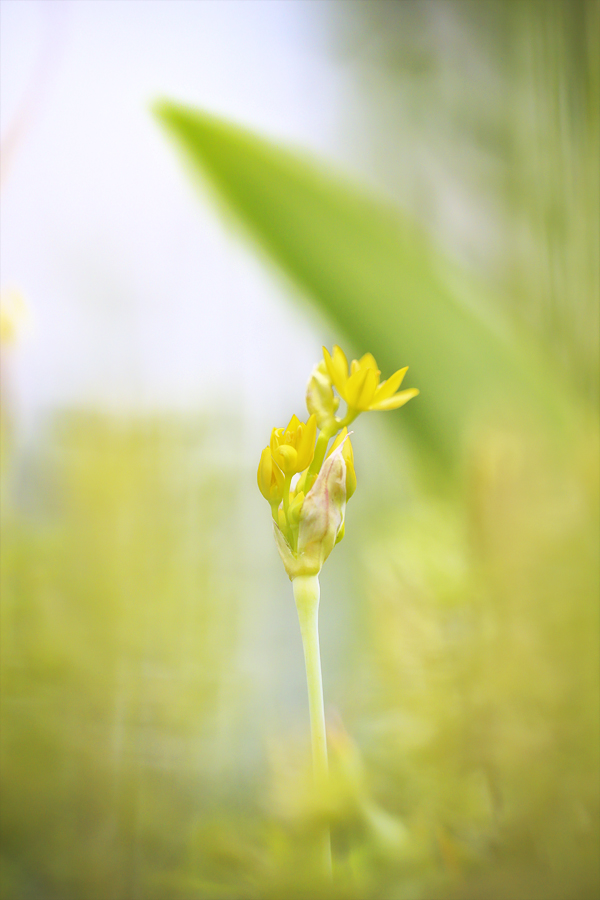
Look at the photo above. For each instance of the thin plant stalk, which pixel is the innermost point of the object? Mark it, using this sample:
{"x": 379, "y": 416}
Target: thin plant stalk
{"x": 309, "y": 519}
{"x": 306, "y": 594}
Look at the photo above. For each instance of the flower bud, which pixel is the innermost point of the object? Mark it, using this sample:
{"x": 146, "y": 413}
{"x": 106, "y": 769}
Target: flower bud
{"x": 293, "y": 448}
{"x": 343, "y": 440}
{"x": 320, "y": 520}
{"x": 320, "y": 399}
{"x": 286, "y": 458}
{"x": 270, "y": 478}
{"x": 295, "y": 508}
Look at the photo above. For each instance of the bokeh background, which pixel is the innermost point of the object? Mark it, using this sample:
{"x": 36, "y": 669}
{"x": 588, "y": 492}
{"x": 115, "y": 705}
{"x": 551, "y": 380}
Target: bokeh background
{"x": 418, "y": 179}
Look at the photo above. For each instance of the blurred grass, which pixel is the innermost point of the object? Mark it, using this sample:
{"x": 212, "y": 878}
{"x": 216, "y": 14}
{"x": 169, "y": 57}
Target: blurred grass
{"x": 117, "y": 626}
{"x": 379, "y": 278}
{"x": 470, "y": 685}
{"x": 480, "y": 118}
{"x": 485, "y": 637}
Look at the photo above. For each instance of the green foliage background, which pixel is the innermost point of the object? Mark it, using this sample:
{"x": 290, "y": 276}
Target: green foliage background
{"x": 144, "y": 752}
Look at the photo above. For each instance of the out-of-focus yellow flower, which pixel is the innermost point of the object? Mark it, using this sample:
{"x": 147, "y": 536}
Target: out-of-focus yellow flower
{"x": 293, "y": 448}
{"x": 14, "y": 316}
{"x": 359, "y": 384}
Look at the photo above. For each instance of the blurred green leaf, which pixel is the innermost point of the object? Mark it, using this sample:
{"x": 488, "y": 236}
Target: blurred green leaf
{"x": 380, "y": 280}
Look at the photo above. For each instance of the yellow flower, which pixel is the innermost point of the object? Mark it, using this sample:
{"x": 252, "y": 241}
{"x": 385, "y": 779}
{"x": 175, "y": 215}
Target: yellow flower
{"x": 14, "y": 316}
{"x": 359, "y": 386}
{"x": 319, "y": 517}
{"x": 320, "y": 398}
{"x": 270, "y": 478}
{"x": 308, "y": 486}
{"x": 293, "y": 448}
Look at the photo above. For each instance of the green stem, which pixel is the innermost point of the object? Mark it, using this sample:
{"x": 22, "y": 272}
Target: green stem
{"x": 320, "y": 451}
{"x": 350, "y": 416}
{"x": 286, "y": 496}
{"x": 327, "y": 432}
{"x": 306, "y": 594}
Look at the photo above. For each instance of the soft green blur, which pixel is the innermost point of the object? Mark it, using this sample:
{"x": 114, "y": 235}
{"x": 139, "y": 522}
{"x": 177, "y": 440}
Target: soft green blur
{"x": 153, "y": 741}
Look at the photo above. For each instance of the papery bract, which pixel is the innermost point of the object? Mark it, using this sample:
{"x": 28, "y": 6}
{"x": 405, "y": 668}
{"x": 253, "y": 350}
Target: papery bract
{"x": 320, "y": 520}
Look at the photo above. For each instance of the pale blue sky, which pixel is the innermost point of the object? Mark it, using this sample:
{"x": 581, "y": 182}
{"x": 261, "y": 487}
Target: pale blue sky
{"x": 140, "y": 297}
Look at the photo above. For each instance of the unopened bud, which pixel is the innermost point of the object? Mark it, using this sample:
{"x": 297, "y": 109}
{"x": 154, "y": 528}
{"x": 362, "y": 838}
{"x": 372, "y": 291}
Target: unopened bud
{"x": 320, "y": 399}
{"x": 320, "y": 521}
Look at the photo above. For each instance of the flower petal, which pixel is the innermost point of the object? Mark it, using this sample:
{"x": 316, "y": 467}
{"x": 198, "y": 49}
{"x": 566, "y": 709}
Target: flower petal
{"x": 263, "y": 476}
{"x": 368, "y": 389}
{"x": 337, "y": 368}
{"x": 343, "y": 440}
{"x": 368, "y": 362}
{"x": 343, "y": 433}
{"x": 293, "y": 424}
{"x": 286, "y": 458}
{"x": 350, "y": 473}
{"x": 320, "y": 398}
{"x": 361, "y": 388}
{"x": 391, "y": 385}
{"x": 274, "y": 442}
{"x": 277, "y": 480}
{"x": 397, "y": 400}
{"x": 355, "y": 386}
{"x": 306, "y": 443}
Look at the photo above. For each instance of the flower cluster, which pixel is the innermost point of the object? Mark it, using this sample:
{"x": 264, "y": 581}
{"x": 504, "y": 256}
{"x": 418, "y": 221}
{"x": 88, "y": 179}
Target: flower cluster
{"x": 306, "y": 482}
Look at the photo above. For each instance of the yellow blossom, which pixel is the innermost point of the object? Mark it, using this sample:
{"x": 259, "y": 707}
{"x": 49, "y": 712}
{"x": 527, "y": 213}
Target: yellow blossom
{"x": 293, "y": 448}
{"x": 308, "y": 487}
{"x": 320, "y": 519}
{"x": 308, "y": 483}
{"x": 320, "y": 398}
{"x": 14, "y": 316}
{"x": 359, "y": 384}
{"x": 270, "y": 478}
